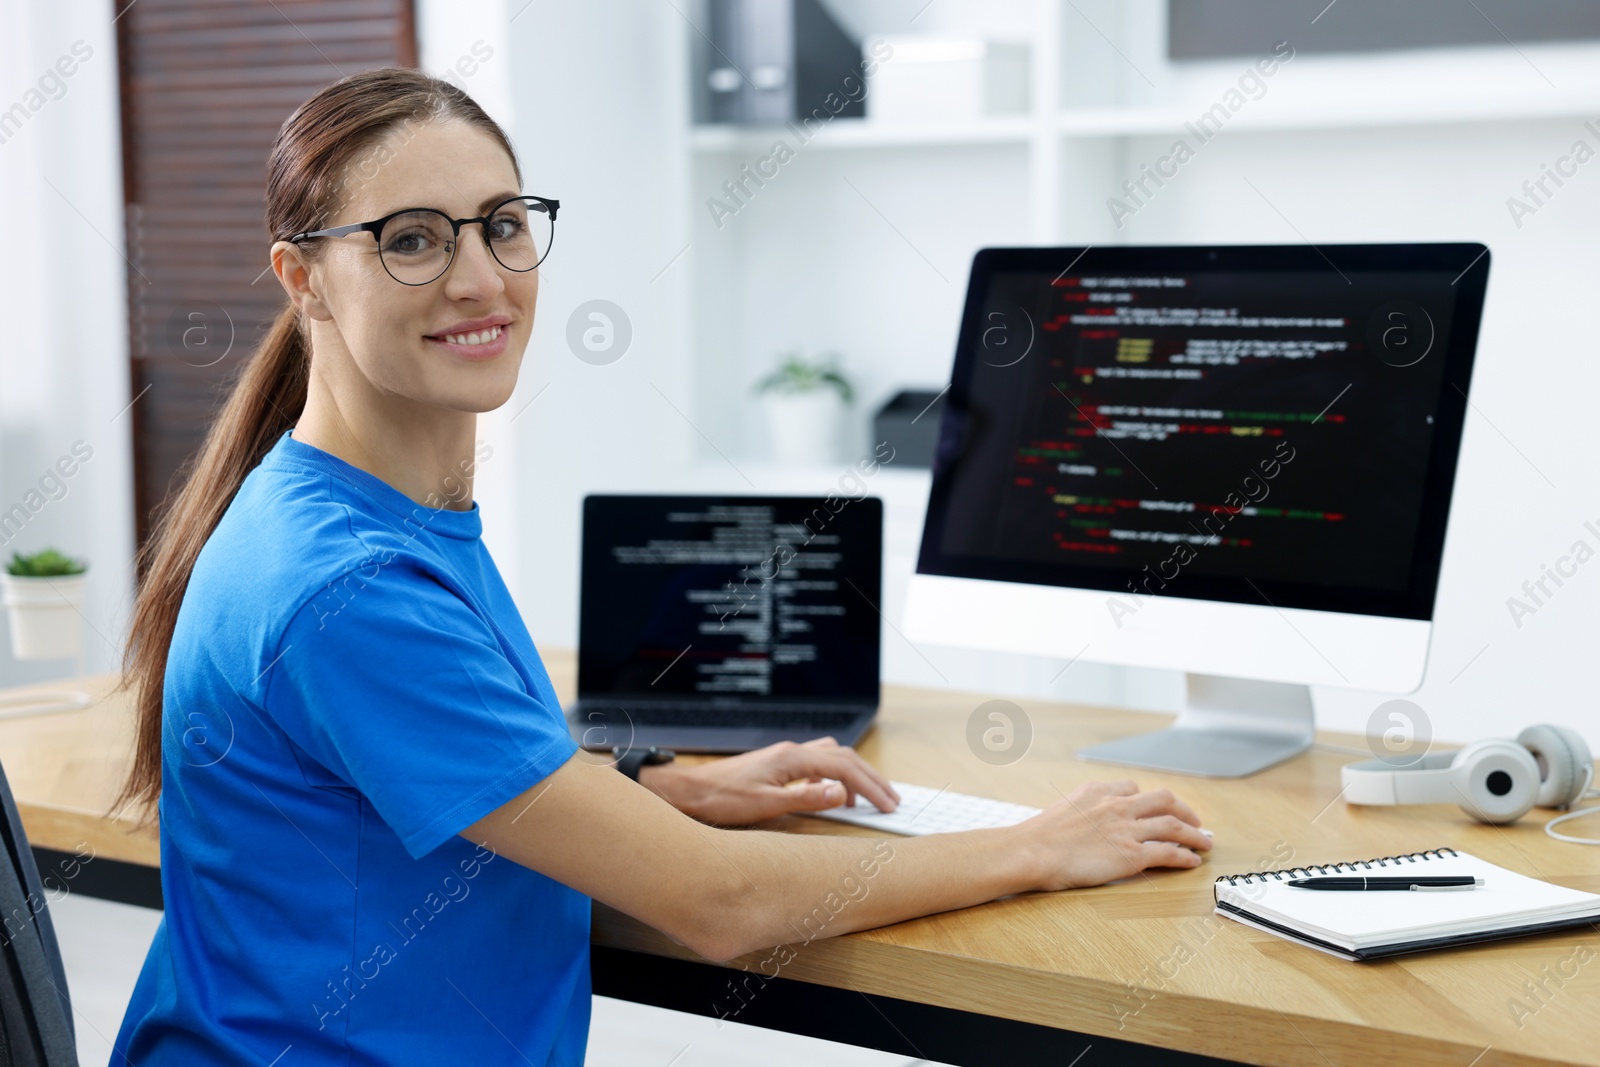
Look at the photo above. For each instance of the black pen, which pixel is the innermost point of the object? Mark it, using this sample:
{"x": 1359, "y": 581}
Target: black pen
{"x": 1359, "y": 885}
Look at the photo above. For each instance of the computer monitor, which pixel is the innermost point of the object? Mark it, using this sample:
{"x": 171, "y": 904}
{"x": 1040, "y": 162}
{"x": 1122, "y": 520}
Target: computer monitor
{"x": 1235, "y": 462}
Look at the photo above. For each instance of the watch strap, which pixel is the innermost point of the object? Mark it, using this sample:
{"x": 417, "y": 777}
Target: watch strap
{"x": 630, "y": 761}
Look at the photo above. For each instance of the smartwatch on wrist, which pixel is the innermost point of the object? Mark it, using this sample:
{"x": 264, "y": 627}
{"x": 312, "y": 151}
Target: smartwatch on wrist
{"x": 630, "y": 761}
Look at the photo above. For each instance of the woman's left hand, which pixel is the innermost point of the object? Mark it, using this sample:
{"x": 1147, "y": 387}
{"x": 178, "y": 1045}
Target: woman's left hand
{"x": 782, "y": 778}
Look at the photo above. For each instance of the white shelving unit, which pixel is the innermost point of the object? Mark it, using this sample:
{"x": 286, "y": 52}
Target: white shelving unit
{"x": 1104, "y": 99}
{"x": 861, "y": 243}
{"x": 864, "y": 133}
{"x": 1146, "y": 121}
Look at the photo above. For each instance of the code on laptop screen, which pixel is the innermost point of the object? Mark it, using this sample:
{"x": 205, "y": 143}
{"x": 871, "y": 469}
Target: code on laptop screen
{"x": 773, "y": 598}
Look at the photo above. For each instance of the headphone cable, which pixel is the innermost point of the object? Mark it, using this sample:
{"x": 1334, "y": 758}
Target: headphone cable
{"x": 1550, "y": 826}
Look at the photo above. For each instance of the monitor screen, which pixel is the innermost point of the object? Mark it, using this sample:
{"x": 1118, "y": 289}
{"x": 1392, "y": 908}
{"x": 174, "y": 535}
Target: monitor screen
{"x": 1259, "y": 425}
{"x": 746, "y": 598}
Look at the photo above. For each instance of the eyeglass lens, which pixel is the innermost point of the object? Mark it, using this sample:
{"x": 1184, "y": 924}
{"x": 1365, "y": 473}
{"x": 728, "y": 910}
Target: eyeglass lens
{"x": 417, "y": 246}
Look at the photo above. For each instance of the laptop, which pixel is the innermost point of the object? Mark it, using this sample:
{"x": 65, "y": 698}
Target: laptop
{"x": 727, "y": 623}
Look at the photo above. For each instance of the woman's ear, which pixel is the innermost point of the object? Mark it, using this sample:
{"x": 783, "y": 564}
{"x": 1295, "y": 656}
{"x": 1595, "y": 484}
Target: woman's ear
{"x": 294, "y": 274}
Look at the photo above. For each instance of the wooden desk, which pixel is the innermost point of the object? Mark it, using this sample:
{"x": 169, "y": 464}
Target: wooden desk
{"x": 65, "y": 769}
{"x": 1031, "y": 978}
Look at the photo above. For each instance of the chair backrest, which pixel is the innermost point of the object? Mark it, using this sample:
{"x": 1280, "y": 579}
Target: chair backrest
{"x": 35, "y": 1011}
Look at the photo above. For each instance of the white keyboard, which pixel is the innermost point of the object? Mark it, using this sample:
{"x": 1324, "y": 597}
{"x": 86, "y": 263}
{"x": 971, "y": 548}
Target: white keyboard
{"x": 930, "y": 811}
{"x": 933, "y": 811}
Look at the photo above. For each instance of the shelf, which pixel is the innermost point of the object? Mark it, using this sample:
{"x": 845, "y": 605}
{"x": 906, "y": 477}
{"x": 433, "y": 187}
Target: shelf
{"x": 864, "y": 133}
{"x": 1156, "y": 121}
{"x": 1149, "y": 122}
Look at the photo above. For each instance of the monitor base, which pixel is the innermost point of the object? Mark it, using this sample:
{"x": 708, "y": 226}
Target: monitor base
{"x": 1229, "y": 728}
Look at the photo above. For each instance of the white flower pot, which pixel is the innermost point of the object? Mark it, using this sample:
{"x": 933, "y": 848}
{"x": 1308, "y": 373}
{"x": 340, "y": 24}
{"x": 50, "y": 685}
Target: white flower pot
{"x": 804, "y": 426}
{"x": 45, "y": 615}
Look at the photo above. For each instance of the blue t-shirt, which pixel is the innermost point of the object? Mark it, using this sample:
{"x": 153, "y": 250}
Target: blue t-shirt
{"x": 350, "y": 686}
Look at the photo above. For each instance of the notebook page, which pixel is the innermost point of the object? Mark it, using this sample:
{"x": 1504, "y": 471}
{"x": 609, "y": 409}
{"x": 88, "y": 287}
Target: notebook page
{"x": 1360, "y": 920}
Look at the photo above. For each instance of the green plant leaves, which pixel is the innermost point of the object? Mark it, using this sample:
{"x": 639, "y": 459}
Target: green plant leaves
{"x": 799, "y": 375}
{"x": 46, "y": 564}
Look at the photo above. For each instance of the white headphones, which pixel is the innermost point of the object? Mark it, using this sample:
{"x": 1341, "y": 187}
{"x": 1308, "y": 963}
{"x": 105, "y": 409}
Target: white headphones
{"x": 1494, "y": 781}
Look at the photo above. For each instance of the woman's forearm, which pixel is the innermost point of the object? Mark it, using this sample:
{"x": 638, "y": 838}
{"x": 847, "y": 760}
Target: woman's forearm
{"x": 725, "y": 892}
{"x": 788, "y": 888}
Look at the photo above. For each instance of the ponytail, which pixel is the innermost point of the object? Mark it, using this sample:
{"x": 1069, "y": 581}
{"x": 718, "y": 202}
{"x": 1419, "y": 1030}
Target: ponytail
{"x": 266, "y": 400}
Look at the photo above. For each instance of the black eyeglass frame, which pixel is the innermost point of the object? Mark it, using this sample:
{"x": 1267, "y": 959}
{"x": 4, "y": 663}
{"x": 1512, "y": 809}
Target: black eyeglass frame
{"x": 375, "y": 227}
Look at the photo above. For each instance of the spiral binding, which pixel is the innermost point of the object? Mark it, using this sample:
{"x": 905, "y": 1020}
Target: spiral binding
{"x": 1351, "y": 867}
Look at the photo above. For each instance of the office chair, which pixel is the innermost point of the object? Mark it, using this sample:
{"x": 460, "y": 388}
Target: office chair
{"x": 35, "y": 1012}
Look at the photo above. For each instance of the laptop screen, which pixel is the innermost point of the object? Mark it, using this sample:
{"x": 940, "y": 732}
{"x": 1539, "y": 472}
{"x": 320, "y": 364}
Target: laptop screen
{"x": 770, "y": 599}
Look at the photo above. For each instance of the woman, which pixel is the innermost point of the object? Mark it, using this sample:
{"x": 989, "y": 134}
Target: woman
{"x": 378, "y": 841}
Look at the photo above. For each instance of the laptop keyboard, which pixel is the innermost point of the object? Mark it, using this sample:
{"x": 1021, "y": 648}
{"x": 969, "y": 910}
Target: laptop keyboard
{"x": 691, "y": 714}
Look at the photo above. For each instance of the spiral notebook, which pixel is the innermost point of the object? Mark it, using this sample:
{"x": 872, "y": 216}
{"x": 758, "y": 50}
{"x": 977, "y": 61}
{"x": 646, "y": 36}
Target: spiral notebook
{"x": 1367, "y": 926}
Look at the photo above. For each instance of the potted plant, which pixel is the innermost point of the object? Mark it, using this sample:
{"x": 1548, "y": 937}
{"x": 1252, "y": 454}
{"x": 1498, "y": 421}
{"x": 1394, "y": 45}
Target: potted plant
{"x": 43, "y": 596}
{"x": 804, "y": 402}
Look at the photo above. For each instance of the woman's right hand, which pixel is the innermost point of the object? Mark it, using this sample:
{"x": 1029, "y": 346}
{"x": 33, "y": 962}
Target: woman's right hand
{"x": 1103, "y": 831}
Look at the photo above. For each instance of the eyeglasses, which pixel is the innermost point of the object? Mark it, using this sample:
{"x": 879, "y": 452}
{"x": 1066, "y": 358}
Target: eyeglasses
{"x": 417, "y": 245}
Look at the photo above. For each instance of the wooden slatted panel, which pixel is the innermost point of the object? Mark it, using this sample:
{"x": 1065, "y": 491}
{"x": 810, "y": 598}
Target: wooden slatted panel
{"x": 205, "y": 87}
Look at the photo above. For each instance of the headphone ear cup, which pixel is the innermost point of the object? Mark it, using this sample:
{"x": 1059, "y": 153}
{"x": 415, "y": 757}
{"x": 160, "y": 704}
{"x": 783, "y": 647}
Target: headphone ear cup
{"x": 1495, "y": 781}
{"x": 1565, "y": 766}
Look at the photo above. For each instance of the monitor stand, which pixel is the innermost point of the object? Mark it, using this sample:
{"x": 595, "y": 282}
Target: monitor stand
{"x": 1228, "y": 728}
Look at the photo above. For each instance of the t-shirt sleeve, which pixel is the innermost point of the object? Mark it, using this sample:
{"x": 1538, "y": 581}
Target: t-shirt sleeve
{"x": 395, "y": 684}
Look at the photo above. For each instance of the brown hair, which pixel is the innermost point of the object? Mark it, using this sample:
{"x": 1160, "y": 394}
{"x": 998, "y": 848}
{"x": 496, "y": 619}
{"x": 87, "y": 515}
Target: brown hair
{"x": 336, "y": 139}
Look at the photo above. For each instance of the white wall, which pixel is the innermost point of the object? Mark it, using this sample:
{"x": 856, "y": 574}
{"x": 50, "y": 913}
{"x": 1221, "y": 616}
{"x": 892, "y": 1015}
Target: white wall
{"x": 64, "y": 352}
{"x": 601, "y": 97}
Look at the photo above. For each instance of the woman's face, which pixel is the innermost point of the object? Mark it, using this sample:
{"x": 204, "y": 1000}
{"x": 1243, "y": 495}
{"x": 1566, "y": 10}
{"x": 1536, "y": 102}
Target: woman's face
{"x": 415, "y": 342}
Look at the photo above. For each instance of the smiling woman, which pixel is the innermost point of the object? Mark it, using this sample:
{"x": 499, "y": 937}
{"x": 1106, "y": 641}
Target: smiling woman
{"x": 324, "y": 475}
{"x": 393, "y": 728}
